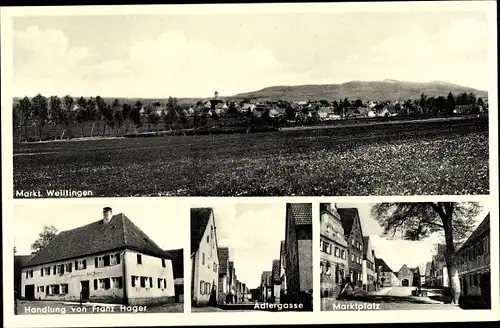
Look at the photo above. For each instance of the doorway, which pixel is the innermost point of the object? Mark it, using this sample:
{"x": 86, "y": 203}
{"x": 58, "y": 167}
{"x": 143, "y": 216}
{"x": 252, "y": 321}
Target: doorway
{"x": 29, "y": 292}
{"x": 85, "y": 290}
{"x": 405, "y": 282}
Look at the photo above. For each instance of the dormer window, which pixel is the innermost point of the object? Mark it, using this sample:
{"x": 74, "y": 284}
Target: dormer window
{"x": 139, "y": 259}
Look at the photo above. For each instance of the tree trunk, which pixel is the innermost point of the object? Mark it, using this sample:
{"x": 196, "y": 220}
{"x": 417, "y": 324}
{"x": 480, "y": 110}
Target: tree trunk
{"x": 453, "y": 279}
{"x": 81, "y": 128}
{"x": 40, "y": 131}
{"x": 26, "y": 131}
{"x": 92, "y": 129}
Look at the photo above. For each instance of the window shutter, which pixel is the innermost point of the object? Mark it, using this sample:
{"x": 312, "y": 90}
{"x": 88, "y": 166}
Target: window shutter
{"x": 96, "y": 262}
{"x": 55, "y": 269}
{"x": 165, "y": 283}
{"x": 85, "y": 264}
{"x": 95, "y": 284}
{"x": 41, "y": 271}
{"x": 62, "y": 268}
{"x": 70, "y": 267}
{"x": 117, "y": 258}
{"x": 150, "y": 282}
{"x": 76, "y": 265}
{"x": 133, "y": 281}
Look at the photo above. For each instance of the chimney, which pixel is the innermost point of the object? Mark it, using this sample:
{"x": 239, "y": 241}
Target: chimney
{"x": 107, "y": 214}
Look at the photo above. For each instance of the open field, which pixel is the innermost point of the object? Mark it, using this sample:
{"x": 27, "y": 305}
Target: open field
{"x": 439, "y": 157}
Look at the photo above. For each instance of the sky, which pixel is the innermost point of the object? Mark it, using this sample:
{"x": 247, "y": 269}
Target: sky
{"x": 195, "y": 55}
{"x": 163, "y": 223}
{"x": 396, "y": 251}
{"x": 253, "y": 234}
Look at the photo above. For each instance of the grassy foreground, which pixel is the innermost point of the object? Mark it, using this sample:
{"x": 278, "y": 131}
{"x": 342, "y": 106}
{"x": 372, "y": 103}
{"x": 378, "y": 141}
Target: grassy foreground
{"x": 395, "y": 160}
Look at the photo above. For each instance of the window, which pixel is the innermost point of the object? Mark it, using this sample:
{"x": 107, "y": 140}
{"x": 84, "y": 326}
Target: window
{"x": 143, "y": 282}
{"x": 203, "y": 259}
{"x": 342, "y": 254}
{"x": 215, "y": 267}
{"x": 95, "y": 284}
{"x": 337, "y": 252}
{"x": 322, "y": 268}
{"x": 139, "y": 259}
{"x": 64, "y": 288}
{"x": 117, "y": 282}
{"x": 54, "y": 290}
{"x": 114, "y": 259}
{"x": 41, "y": 272}
{"x": 328, "y": 269}
{"x": 208, "y": 239}
{"x": 81, "y": 265}
{"x": 134, "y": 280}
{"x": 99, "y": 262}
{"x": 150, "y": 282}
{"x": 159, "y": 283}
{"x": 327, "y": 229}
{"x": 106, "y": 260}
{"x": 60, "y": 268}
{"x": 163, "y": 263}
{"x": 47, "y": 271}
{"x": 104, "y": 283}
{"x": 352, "y": 242}
{"x": 42, "y": 289}
{"x": 202, "y": 286}
{"x": 352, "y": 257}
{"x": 69, "y": 267}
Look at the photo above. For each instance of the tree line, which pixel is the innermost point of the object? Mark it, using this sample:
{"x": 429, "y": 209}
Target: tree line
{"x": 117, "y": 118}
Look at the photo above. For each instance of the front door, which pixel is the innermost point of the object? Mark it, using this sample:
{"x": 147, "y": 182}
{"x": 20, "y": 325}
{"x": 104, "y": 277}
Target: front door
{"x": 29, "y": 292}
{"x": 85, "y": 290}
{"x": 405, "y": 282}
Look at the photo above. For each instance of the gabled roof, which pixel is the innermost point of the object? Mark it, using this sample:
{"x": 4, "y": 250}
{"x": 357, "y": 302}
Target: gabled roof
{"x": 97, "y": 237}
{"x": 276, "y": 271}
{"x": 177, "y": 262}
{"x": 381, "y": 262}
{"x": 199, "y": 220}
{"x": 223, "y": 254}
{"x": 483, "y": 226}
{"x": 347, "y": 216}
{"x": 265, "y": 278}
{"x": 21, "y": 260}
{"x": 301, "y": 213}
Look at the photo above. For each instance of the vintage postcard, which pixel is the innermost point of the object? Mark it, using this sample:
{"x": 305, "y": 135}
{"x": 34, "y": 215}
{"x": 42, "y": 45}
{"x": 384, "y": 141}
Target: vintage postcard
{"x": 227, "y": 164}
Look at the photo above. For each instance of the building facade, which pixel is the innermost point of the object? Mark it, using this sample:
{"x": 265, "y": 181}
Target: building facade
{"x": 282, "y": 271}
{"x": 204, "y": 257}
{"x": 178, "y": 266}
{"x": 298, "y": 241}
{"x": 266, "y": 286}
{"x": 474, "y": 263}
{"x": 386, "y": 277}
{"x": 223, "y": 254}
{"x": 110, "y": 260}
{"x": 369, "y": 272}
{"x": 405, "y": 276}
{"x": 354, "y": 236}
{"x": 276, "y": 281}
{"x": 333, "y": 251}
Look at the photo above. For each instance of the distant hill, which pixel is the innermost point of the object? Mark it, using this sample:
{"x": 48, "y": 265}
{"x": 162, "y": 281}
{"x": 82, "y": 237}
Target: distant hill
{"x": 376, "y": 90}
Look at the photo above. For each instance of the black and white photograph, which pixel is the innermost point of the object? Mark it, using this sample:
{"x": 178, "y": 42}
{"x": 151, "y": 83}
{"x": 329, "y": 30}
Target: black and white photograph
{"x": 89, "y": 259}
{"x": 251, "y": 257}
{"x": 286, "y": 104}
{"x": 405, "y": 256}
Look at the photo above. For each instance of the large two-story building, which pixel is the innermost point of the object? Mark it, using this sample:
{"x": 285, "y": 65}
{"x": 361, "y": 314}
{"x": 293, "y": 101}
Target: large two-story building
{"x": 405, "y": 276}
{"x": 204, "y": 257}
{"x": 298, "y": 243}
{"x": 369, "y": 270}
{"x": 354, "y": 235}
{"x": 386, "y": 277}
{"x": 333, "y": 251}
{"x": 110, "y": 260}
{"x": 223, "y": 253}
{"x": 474, "y": 263}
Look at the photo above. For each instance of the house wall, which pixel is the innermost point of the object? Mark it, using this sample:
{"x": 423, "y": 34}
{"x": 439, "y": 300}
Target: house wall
{"x": 305, "y": 265}
{"x": 151, "y": 267}
{"x": 276, "y": 292}
{"x": 390, "y": 279}
{"x": 368, "y": 269}
{"x": 74, "y": 278}
{"x": 474, "y": 267}
{"x": 292, "y": 260}
{"x": 206, "y": 272}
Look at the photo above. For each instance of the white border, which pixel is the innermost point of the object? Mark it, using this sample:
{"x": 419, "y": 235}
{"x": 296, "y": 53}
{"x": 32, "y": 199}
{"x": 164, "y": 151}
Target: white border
{"x": 238, "y": 318}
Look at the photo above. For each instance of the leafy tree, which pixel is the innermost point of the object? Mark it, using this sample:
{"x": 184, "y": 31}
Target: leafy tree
{"x": 148, "y": 110}
{"x": 450, "y": 103}
{"x": 56, "y": 113}
{"x": 126, "y": 110}
{"x": 358, "y": 103}
{"x": 67, "y": 115}
{"x": 101, "y": 113}
{"x": 232, "y": 110}
{"x": 423, "y": 100}
{"x": 25, "y": 114}
{"x": 440, "y": 104}
{"x": 82, "y": 113}
{"x": 40, "y": 111}
{"x": 48, "y": 233}
{"x": 290, "y": 112}
{"x": 419, "y": 220}
{"x": 135, "y": 115}
{"x": 93, "y": 114}
{"x": 153, "y": 118}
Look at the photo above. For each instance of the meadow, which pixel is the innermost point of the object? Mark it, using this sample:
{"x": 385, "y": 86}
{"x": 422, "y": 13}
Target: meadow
{"x": 441, "y": 157}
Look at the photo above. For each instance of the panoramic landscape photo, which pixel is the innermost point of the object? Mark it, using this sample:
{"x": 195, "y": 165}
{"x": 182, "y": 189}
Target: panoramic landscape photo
{"x": 349, "y": 104}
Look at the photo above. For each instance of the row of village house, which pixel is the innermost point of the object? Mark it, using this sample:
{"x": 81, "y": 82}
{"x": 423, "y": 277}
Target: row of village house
{"x": 347, "y": 254}
{"x": 214, "y": 279}
{"x": 110, "y": 260}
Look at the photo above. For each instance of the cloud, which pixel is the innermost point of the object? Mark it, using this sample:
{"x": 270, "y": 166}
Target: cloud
{"x": 171, "y": 64}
